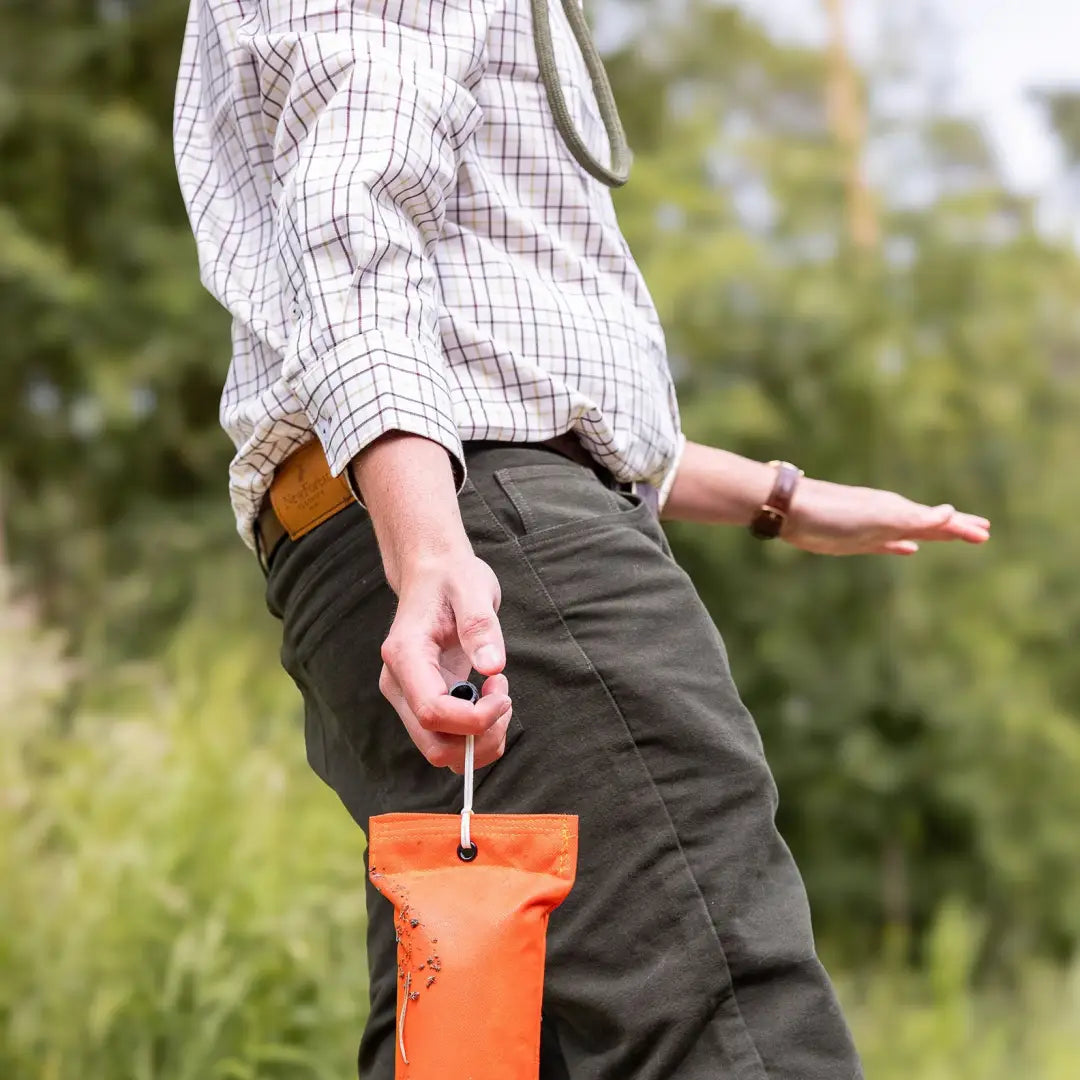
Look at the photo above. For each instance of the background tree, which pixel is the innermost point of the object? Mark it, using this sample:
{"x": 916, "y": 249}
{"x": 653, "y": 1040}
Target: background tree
{"x": 113, "y": 356}
{"x": 909, "y": 709}
{"x": 921, "y": 715}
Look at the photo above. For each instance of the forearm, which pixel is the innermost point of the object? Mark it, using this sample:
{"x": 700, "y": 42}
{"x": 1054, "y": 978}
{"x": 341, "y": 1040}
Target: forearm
{"x": 718, "y": 487}
{"x": 407, "y": 484}
{"x": 446, "y": 623}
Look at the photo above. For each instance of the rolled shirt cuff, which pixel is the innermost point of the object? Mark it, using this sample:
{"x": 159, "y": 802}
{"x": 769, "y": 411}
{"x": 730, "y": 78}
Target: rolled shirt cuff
{"x": 373, "y": 384}
{"x": 669, "y": 477}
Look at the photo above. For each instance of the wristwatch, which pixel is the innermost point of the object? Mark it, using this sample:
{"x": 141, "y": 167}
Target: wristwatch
{"x": 773, "y": 513}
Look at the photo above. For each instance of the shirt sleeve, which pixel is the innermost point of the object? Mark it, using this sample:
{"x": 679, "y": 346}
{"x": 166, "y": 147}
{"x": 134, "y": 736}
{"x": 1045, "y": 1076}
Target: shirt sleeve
{"x": 668, "y": 481}
{"x": 368, "y": 125}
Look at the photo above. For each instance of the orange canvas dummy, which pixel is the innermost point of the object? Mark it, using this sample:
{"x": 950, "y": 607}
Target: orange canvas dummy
{"x": 471, "y": 902}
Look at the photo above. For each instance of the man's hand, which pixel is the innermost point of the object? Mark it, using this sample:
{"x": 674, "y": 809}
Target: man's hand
{"x": 448, "y": 601}
{"x": 835, "y": 519}
{"x": 828, "y": 519}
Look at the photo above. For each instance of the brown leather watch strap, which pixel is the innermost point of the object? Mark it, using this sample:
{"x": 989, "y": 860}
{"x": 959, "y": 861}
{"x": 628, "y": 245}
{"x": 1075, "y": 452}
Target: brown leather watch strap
{"x": 772, "y": 515}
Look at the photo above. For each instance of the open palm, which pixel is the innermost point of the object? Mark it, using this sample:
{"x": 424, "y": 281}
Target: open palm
{"x": 837, "y": 519}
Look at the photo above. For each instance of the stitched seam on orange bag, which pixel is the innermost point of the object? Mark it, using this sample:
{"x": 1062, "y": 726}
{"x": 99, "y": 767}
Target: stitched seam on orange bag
{"x": 492, "y": 834}
{"x": 491, "y": 829}
{"x": 388, "y": 821}
{"x": 485, "y": 823}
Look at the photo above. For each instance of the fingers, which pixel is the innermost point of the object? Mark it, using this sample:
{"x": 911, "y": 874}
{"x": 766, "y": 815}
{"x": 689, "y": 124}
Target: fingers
{"x": 936, "y": 517}
{"x": 440, "y": 713}
{"x": 447, "y": 621}
{"x": 492, "y": 744}
{"x": 413, "y": 677}
{"x": 497, "y": 684}
{"x": 488, "y": 748}
{"x": 445, "y": 750}
{"x": 411, "y": 660}
{"x": 968, "y": 527}
{"x": 898, "y": 547}
{"x": 945, "y": 522}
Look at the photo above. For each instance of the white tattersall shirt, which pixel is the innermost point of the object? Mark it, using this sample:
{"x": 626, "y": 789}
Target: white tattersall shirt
{"x": 381, "y": 199}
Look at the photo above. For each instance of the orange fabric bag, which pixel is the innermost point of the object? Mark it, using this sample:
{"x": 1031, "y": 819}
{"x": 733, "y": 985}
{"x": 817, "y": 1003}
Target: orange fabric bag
{"x": 472, "y": 900}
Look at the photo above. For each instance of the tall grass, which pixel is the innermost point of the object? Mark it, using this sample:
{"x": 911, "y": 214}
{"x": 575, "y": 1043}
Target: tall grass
{"x": 181, "y": 900}
{"x": 932, "y": 1025}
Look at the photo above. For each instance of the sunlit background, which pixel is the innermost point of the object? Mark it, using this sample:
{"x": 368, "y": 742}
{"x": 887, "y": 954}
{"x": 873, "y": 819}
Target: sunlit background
{"x": 859, "y": 222}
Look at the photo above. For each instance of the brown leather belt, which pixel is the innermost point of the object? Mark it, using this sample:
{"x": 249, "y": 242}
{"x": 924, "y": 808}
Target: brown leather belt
{"x": 303, "y": 494}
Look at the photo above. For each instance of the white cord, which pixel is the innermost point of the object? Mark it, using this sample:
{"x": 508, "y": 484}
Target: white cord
{"x": 466, "y": 810}
{"x": 466, "y": 843}
{"x": 401, "y": 1022}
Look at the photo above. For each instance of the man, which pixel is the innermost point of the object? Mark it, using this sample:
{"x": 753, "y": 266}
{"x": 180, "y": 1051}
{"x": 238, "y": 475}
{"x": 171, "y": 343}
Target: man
{"x": 400, "y": 204}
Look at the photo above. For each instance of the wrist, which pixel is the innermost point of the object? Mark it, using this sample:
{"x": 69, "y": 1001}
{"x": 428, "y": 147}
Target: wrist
{"x": 407, "y": 485}
{"x": 774, "y": 513}
{"x": 425, "y": 557}
{"x": 718, "y": 487}
{"x": 759, "y": 485}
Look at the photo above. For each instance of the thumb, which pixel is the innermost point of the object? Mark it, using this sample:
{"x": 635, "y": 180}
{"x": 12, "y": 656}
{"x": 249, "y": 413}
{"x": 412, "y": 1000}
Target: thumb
{"x": 934, "y": 517}
{"x": 478, "y": 627}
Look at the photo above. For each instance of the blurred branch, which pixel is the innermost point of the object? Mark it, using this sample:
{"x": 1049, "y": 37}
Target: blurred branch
{"x": 3, "y": 546}
{"x": 847, "y": 119}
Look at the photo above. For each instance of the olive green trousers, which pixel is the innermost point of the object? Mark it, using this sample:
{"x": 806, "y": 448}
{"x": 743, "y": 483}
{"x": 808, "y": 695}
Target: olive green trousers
{"x": 684, "y": 951}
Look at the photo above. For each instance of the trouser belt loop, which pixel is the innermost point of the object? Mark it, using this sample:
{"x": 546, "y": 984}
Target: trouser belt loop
{"x": 268, "y": 534}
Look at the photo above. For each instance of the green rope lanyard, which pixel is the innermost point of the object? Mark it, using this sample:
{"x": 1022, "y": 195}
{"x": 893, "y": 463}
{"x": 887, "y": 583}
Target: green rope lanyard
{"x": 619, "y": 172}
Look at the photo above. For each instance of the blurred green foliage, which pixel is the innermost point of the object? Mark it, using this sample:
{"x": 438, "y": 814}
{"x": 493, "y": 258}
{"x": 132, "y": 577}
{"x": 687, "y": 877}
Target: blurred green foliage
{"x": 182, "y": 901}
{"x": 113, "y": 356}
{"x": 180, "y": 898}
{"x": 920, "y": 715}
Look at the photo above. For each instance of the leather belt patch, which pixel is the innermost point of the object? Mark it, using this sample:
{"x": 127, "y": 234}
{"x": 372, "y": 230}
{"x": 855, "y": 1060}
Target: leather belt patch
{"x": 304, "y": 494}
